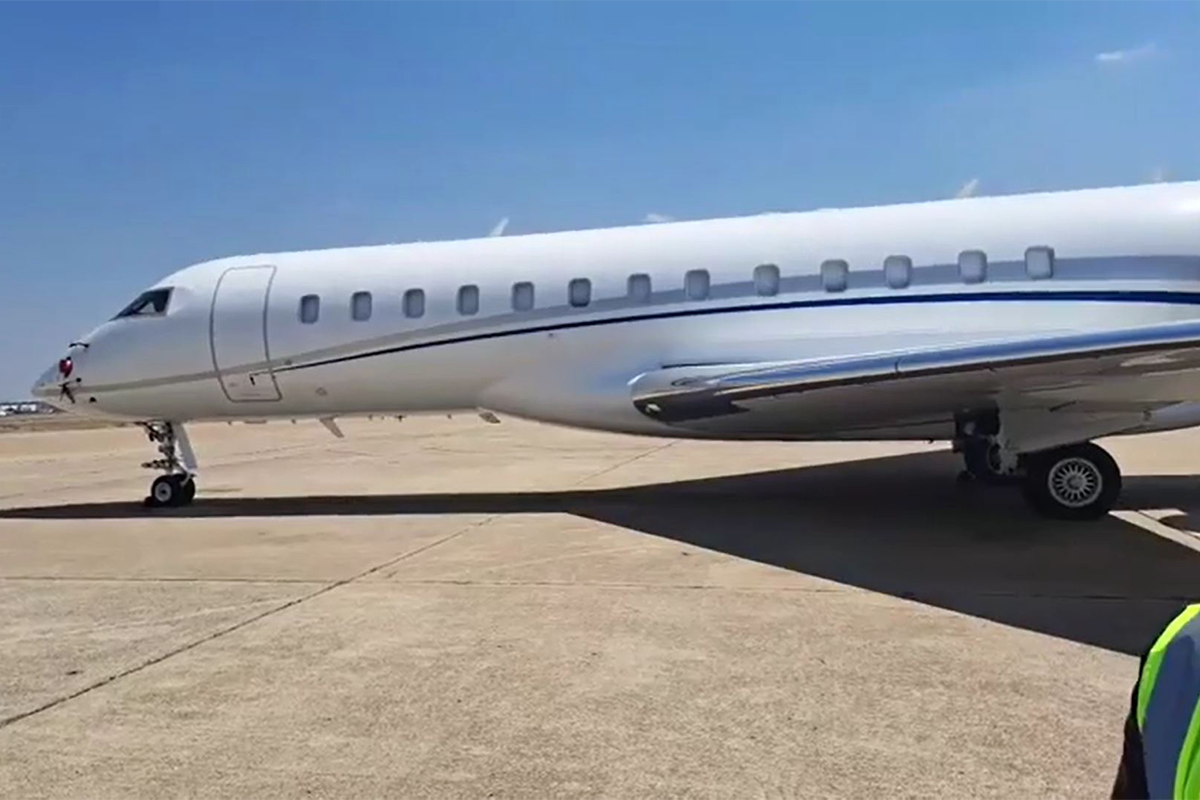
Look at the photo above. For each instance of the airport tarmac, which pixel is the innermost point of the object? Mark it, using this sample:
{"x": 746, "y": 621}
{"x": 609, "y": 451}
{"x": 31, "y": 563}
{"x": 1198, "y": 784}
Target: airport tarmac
{"x": 448, "y": 608}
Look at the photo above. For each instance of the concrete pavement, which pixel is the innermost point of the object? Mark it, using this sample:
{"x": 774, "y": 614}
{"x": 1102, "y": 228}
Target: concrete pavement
{"x": 442, "y": 608}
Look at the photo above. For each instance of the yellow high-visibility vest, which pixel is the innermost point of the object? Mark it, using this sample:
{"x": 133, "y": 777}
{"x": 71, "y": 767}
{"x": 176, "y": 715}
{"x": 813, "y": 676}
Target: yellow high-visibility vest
{"x": 1168, "y": 709}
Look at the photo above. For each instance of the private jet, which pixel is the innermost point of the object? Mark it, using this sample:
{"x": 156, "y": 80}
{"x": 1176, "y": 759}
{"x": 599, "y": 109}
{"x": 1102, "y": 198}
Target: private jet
{"x": 1018, "y": 328}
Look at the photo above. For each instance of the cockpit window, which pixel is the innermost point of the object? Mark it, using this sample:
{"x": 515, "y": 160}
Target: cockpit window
{"x": 148, "y": 304}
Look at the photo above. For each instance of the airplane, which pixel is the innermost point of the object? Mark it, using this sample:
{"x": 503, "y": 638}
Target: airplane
{"x": 1018, "y": 328}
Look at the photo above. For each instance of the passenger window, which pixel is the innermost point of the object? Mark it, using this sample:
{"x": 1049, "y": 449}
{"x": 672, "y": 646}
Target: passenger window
{"x": 897, "y": 270}
{"x": 360, "y": 306}
{"x": 835, "y": 274}
{"x": 639, "y": 288}
{"x": 695, "y": 284}
{"x": 1039, "y": 262}
{"x": 522, "y": 296}
{"x": 414, "y": 303}
{"x": 972, "y": 266}
{"x": 579, "y": 292}
{"x": 148, "y": 304}
{"x": 310, "y": 308}
{"x": 468, "y": 300}
{"x": 766, "y": 280}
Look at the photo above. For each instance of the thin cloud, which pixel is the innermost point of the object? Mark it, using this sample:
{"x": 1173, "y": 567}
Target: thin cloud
{"x": 1140, "y": 53}
{"x": 1160, "y": 175}
{"x": 968, "y": 189}
{"x": 654, "y": 217}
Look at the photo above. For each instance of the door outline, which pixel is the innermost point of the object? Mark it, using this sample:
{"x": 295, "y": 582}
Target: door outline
{"x": 212, "y": 337}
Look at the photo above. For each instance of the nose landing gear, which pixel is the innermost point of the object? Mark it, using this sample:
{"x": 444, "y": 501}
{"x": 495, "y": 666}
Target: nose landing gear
{"x": 171, "y": 490}
{"x": 178, "y": 486}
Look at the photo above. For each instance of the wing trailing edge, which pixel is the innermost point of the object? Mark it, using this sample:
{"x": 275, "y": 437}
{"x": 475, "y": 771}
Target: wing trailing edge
{"x": 681, "y": 393}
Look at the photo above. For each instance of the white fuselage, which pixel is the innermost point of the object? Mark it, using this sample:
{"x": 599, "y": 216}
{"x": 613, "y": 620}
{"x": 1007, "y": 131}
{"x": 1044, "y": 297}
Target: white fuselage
{"x": 232, "y": 343}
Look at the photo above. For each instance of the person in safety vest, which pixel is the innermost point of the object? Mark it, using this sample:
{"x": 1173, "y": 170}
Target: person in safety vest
{"x": 1162, "y": 733}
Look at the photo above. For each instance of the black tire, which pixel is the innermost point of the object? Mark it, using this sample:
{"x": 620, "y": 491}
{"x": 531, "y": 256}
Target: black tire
{"x": 1077, "y": 482}
{"x": 165, "y": 491}
{"x": 187, "y": 491}
{"x": 981, "y": 457}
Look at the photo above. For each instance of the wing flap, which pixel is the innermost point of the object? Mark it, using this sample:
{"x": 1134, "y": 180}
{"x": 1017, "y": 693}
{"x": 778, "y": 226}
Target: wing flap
{"x": 978, "y": 373}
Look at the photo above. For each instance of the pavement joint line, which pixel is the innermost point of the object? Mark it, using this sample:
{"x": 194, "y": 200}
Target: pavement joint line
{"x": 146, "y": 623}
{"x": 484, "y": 522}
{"x": 626, "y": 462}
{"x": 282, "y": 454}
{"x": 58, "y": 701}
{"x": 581, "y": 584}
{"x": 899, "y": 594}
{"x": 615, "y": 585}
{"x": 561, "y": 557}
{"x": 152, "y": 579}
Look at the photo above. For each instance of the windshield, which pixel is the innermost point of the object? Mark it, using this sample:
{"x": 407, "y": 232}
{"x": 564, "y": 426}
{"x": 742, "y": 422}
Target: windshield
{"x": 148, "y": 304}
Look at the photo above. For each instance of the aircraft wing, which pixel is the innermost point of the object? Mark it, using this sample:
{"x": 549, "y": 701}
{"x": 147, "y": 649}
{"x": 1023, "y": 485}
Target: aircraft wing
{"x": 1108, "y": 371}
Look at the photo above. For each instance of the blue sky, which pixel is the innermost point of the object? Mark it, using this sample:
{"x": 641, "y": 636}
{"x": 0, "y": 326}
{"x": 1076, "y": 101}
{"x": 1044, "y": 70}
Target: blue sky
{"x": 136, "y": 139}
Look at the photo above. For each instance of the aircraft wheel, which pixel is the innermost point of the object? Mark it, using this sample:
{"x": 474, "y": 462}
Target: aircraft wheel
{"x": 188, "y": 491}
{"x": 171, "y": 490}
{"x": 982, "y": 459}
{"x": 1080, "y": 481}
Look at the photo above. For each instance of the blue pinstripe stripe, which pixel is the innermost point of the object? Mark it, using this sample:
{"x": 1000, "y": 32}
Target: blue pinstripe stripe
{"x": 1067, "y": 295}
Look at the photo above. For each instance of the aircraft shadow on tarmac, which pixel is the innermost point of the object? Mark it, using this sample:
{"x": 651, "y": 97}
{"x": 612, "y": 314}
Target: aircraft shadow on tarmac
{"x": 897, "y": 525}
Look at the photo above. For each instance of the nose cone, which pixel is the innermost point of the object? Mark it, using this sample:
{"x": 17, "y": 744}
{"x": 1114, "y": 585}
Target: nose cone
{"x": 47, "y": 383}
{"x": 48, "y": 388}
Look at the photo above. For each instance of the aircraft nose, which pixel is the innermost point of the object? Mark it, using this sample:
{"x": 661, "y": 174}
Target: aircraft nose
{"x": 48, "y": 386}
{"x": 47, "y": 383}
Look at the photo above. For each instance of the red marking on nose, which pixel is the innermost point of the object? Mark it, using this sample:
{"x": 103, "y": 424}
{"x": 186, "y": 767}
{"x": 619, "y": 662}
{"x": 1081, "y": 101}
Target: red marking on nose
{"x": 65, "y": 365}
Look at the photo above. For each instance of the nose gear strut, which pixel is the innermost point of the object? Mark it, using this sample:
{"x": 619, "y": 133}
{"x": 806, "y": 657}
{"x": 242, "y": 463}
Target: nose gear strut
{"x": 178, "y": 486}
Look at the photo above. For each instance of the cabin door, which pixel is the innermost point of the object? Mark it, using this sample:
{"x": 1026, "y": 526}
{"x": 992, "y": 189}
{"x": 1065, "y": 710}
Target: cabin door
{"x": 238, "y": 332}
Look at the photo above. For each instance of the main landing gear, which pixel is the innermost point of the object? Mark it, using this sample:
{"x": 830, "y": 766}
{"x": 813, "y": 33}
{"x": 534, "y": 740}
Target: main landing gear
{"x": 1076, "y": 482}
{"x": 1079, "y": 481}
{"x": 178, "y": 486}
{"x": 987, "y": 462}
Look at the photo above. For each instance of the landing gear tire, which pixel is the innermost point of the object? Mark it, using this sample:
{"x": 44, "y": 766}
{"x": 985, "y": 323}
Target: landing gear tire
{"x": 983, "y": 461}
{"x": 1077, "y": 482}
{"x": 188, "y": 490}
{"x": 171, "y": 490}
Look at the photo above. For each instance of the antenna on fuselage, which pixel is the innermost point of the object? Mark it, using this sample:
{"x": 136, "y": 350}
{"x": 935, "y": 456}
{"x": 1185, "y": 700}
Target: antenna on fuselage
{"x": 968, "y": 189}
{"x": 498, "y": 230}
